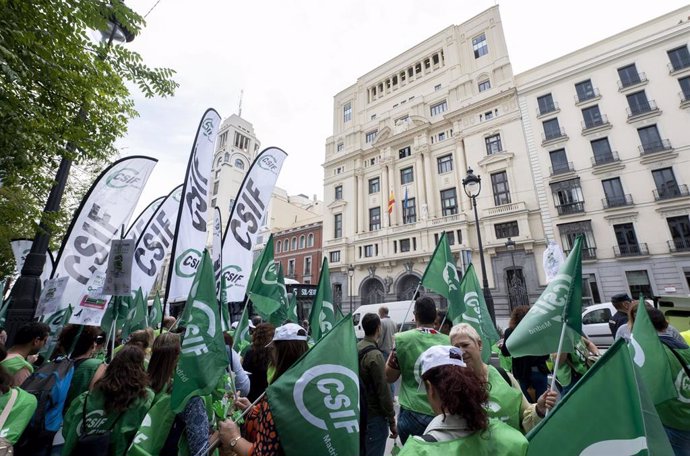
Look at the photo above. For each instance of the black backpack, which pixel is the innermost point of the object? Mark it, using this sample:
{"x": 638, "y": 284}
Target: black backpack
{"x": 363, "y": 407}
{"x": 93, "y": 444}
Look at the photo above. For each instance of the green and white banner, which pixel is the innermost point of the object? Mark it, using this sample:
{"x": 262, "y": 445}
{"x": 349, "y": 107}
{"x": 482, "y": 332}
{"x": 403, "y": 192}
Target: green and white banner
{"x": 265, "y": 291}
{"x": 156, "y": 313}
{"x": 138, "y": 225}
{"x": 323, "y": 314}
{"x": 441, "y": 276}
{"x": 476, "y": 314}
{"x": 194, "y": 213}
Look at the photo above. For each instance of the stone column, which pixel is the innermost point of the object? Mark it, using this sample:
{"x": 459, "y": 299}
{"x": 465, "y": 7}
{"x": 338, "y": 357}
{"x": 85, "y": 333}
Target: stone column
{"x": 359, "y": 174}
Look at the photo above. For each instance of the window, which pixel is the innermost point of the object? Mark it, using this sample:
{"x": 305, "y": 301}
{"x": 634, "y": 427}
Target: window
{"x": 404, "y": 152}
{"x": 449, "y": 202}
{"x": 479, "y": 46}
{"x": 680, "y": 232}
{"x": 679, "y": 57}
{"x": 374, "y": 218}
{"x": 294, "y": 243}
{"x": 404, "y": 245}
{"x": 369, "y": 250}
{"x": 215, "y": 187}
{"x": 507, "y": 230}
{"x": 339, "y": 147}
{"x": 596, "y": 316}
{"x": 439, "y": 108}
{"x": 223, "y": 139}
{"x": 499, "y": 184}
{"x": 685, "y": 87}
{"x": 484, "y": 85}
{"x": 310, "y": 240}
{"x": 302, "y": 242}
{"x": 493, "y": 144}
{"x": 559, "y": 162}
{"x": 613, "y": 189}
{"x": 279, "y": 245}
{"x": 409, "y": 211}
{"x": 437, "y": 87}
{"x": 338, "y": 192}
{"x": 626, "y": 239}
{"x": 226, "y": 157}
{"x": 650, "y": 139}
{"x": 286, "y": 245}
{"x": 445, "y": 164}
{"x": 638, "y": 103}
{"x": 488, "y": 115}
{"x": 570, "y": 231}
{"x": 406, "y": 175}
{"x": 638, "y": 281}
{"x": 628, "y": 76}
{"x": 592, "y": 117}
{"x": 442, "y": 136}
{"x": 546, "y": 104}
{"x": 338, "y": 226}
{"x": 552, "y": 129}
{"x": 602, "y": 151}
{"x": 374, "y": 185}
{"x": 334, "y": 257}
{"x": 241, "y": 141}
{"x": 371, "y": 136}
{"x": 213, "y": 202}
{"x": 291, "y": 268}
{"x": 665, "y": 181}
{"x": 307, "y": 266}
{"x": 567, "y": 196}
{"x": 585, "y": 90}
{"x": 347, "y": 112}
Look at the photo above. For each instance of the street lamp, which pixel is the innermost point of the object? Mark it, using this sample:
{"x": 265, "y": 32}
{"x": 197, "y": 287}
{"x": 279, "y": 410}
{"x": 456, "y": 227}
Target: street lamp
{"x": 472, "y": 185}
{"x": 27, "y": 289}
{"x": 351, "y": 274}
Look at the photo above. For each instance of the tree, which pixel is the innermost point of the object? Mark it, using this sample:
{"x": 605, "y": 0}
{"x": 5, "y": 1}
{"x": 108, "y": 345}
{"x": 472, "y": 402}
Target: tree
{"x": 59, "y": 85}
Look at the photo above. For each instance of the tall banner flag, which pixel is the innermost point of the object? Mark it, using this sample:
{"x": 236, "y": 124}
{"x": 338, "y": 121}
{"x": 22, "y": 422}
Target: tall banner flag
{"x": 264, "y": 290}
{"x": 241, "y": 336}
{"x": 20, "y": 249}
{"x": 649, "y": 355}
{"x": 613, "y": 411}
{"x": 137, "y": 317}
{"x": 247, "y": 213}
{"x": 106, "y": 207}
{"x": 156, "y": 312}
{"x": 317, "y": 399}
{"x": 136, "y": 228}
{"x": 323, "y": 315}
{"x": 217, "y": 249}
{"x": 191, "y": 230}
{"x": 155, "y": 242}
{"x": 203, "y": 358}
{"x": 441, "y": 276}
{"x": 476, "y": 313}
{"x": 557, "y": 312}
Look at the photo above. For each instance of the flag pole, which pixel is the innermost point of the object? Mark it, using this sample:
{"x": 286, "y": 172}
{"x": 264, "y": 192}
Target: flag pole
{"x": 556, "y": 362}
{"x": 411, "y": 303}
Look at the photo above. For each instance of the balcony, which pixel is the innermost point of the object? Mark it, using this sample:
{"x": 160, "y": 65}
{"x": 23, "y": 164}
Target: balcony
{"x": 505, "y": 209}
{"x": 633, "y": 81}
{"x": 630, "y": 250}
{"x": 562, "y": 168}
{"x": 588, "y": 253}
{"x": 546, "y": 110}
{"x": 589, "y": 96}
{"x": 670, "y": 192}
{"x": 597, "y": 124}
{"x": 679, "y": 245}
{"x": 639, "y": 111}
{"x": 662, "y": 145}
{"x": 553, "y": 136}
{"x": 611, "y": 202}
{"x": 571, "y": 208}
{"x": 605, "y": 159}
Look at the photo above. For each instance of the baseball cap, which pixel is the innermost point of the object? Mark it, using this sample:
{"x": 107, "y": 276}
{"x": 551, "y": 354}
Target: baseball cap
{"x": 620, "y": 297}
{"x": 441, "y": 355}
{"x": 234, "y": 324}
{"x": 289, "y": 331}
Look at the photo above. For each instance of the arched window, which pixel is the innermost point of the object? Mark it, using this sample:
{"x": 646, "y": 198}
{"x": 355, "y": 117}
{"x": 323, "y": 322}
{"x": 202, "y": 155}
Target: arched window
{"x": 226, "y": 157}
{"x": 286, "y": 245}
{"x": 278, "y": 245}
{"x": 220, "y": 159}
{"x": 310, "y": 240}
{"x": 302, "y": 242}
{"x": 239, "y": 164}
{"x": 294, "y": 243}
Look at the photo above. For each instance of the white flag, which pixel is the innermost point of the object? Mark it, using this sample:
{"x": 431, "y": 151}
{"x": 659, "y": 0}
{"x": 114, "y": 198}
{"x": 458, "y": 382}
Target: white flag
{"x": 142, "y": 219}
{"x": 21, "y": 248}
{"x": 217, "y": 248}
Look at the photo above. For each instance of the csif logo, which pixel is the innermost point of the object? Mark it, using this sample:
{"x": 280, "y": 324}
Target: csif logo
{"x": 327, "y": 396}
{"x": 187, "y": 262}
{"x": 269, "y": 163}
{"x": 232, "y": 274}
{"x": 207, "y": 127}
{"x": 123, "y": 177}
{"x": 450, "y": 276}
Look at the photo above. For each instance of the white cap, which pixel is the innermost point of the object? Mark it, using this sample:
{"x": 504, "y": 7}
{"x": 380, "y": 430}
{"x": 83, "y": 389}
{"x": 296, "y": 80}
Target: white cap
{"x": 441, "y": 355}
{"x": 234, "y": 324}
{"x": 289, "y": 331}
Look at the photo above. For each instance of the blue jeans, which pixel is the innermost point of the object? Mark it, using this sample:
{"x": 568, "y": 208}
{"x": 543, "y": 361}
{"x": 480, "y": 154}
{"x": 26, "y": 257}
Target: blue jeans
{"x": 538, "y": 381}
{"x": 680, "y": 441}
{"x": 411, "y": 423}
{"x": 377, "y": 433}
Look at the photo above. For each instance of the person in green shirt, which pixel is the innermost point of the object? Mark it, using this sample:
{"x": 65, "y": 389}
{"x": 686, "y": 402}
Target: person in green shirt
{"x": 572, "y": 366}
{"x": 28, "y": 341}
{"x": 461, "y": 426}
{"x": 118, "y": 403}
{"x": 22, "y": 409}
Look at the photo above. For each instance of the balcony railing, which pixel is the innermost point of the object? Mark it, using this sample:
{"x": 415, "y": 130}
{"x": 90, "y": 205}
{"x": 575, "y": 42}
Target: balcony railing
{"x": 552, "y": 135}
{"x": 581, "y": 98}
{"x": 628, "y": 250}
{"x": 617, "y": 201}
{"x": 679, "y": 245}
{"x": 571, "y": 208}
{"x": 603, "y": 159}
{"x": 633, "y": 81}
{"x": 654, "y": 147}
{"x": 562, "y": 168}
{"x": 600, "y": 121}
{"x": 588, "y": 253}
{"x": 669, "y": 192}
{"x": 639, "y": 110}
{"x": 544, "y": 110}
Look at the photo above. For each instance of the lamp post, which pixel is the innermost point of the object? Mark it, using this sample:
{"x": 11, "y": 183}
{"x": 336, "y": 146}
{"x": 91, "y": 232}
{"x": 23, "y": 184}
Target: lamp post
{"x": 27, "y": 289}
{"x": 351, "y": 274}
{"x": 472, "y": 185}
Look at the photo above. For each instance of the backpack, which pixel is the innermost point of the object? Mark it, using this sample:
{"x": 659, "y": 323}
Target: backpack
{"x": 96, "y": 444}
{"x": 363, "y": 407}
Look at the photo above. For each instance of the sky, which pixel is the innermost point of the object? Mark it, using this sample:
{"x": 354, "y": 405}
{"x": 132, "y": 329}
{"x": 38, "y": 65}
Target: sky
{"x": 291, "y": 57}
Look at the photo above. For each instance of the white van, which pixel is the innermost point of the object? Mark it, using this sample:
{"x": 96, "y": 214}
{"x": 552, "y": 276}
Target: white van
{"x": 396, "y": 311}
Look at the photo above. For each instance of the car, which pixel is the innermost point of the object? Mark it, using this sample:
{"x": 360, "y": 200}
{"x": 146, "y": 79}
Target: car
{"x": 676, "y": 309}
{"x": 595, "y": 323}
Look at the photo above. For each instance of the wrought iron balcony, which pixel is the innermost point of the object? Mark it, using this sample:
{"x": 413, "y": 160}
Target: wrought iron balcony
{"x": 617, "y": 201}
{"x": 553, "y": 135}
{"x": 671, "y": 191}
{"x": 561, "y": 168}
{"x": 653, "y": 147}
{"x": 571, "y": 208}
{"x": 632, "y": 81}
{"x": 603, "y": 158}
{"x": 548, "y": 109}
{"x": 642, "y": 109}
{"x": 628, "y": 250}
{"x": 588, "y": 253}
{"x": 581, "y": 98}
{"x": 679, "y": 245}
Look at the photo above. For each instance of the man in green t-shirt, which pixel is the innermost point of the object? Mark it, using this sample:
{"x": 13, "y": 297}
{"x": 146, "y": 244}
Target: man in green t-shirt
{"x": 403, "y": 362}
{"x": 28, "y": 341}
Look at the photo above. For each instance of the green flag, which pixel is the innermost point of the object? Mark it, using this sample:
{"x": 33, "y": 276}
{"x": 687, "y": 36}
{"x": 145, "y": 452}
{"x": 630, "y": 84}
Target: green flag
{"x": 323, "y": 315}
{"x": 558, "y": 310}
{"x": 608, "y": 412}
{"x": 137, "y": 317}
{"x": 292, "y": 308}
{"x": 203, "y": 358}
{"x": 280, "y": 315}
{"x": 317, "y": 399}
{"x": 154, "y": 428}
{"x": 476, "y": 314}
{"x": 117, "y": 310}
{"x": 649, "y": 355}
{"x": 441, "y": 276}
{"x": 156, "y": 312}
{"x": 224, "y": 311}
{"x": 264, "y": 290}
{"x": 241, "y": 337}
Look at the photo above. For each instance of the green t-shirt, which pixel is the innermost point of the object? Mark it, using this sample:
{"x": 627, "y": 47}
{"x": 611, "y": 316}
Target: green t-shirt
{"x": 675, "y": 413}
{"x": 504, "y": 400}
{"x": 16, "y": 363}
{"x": 499, "y": 439}
{"x": 154, "y": 428}
{"x": 82, "y": 377}
{"x": 578, "y": 363}
{"x": 22, "y": 411}
{"x": 409, "y": 345}
{"x": 123, "y": 425}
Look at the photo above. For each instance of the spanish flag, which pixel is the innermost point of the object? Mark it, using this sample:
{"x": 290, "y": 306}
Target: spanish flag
{"x": 391, "y": 202}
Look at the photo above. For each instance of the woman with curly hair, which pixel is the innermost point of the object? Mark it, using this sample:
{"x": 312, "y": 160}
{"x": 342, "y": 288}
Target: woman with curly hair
{"x": 461, "y": 425}
{"x": 118, "y": 403}
{"x": 257, "y": 359}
